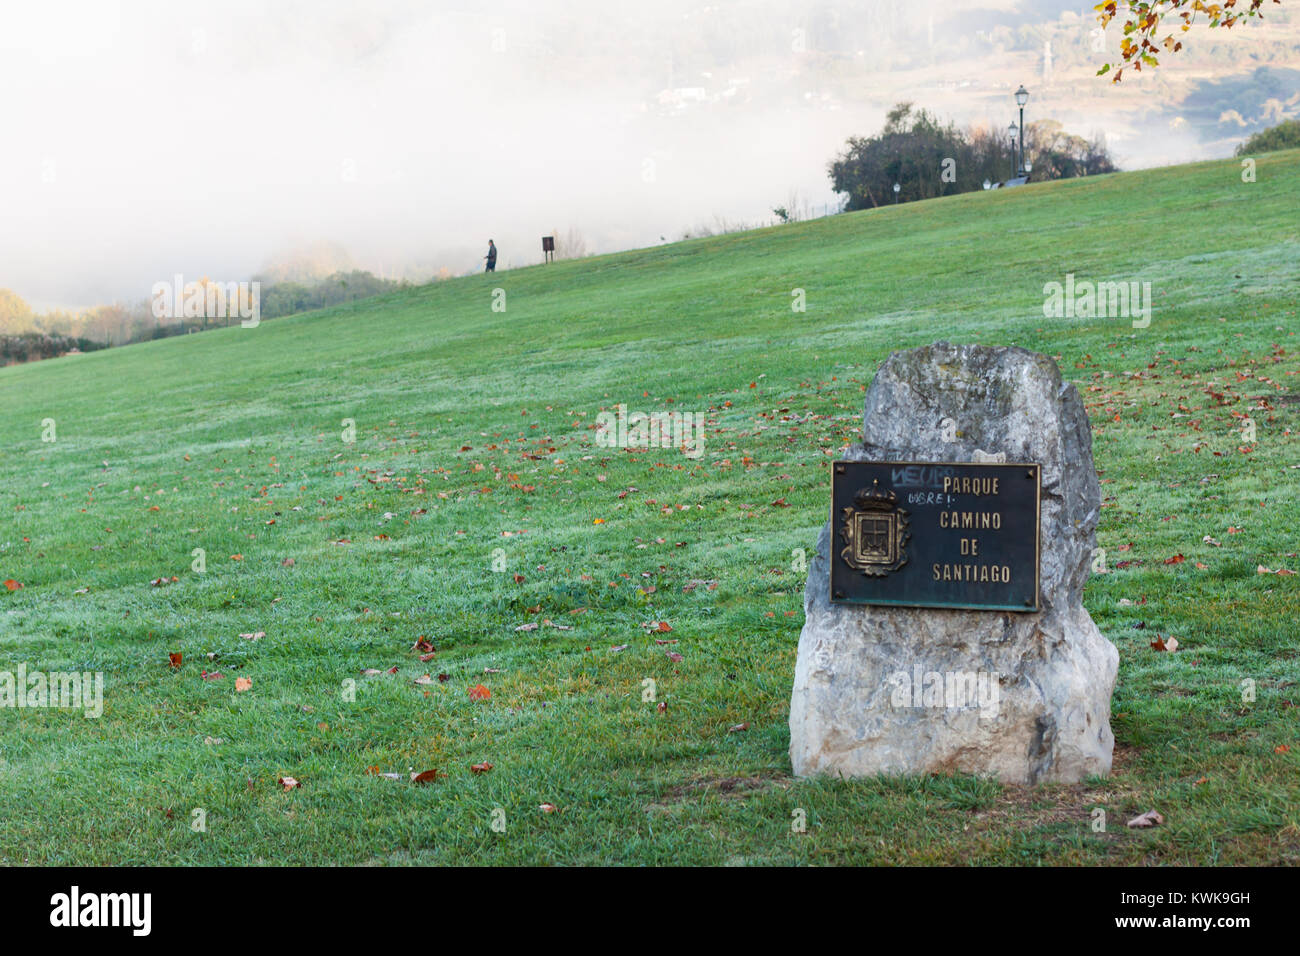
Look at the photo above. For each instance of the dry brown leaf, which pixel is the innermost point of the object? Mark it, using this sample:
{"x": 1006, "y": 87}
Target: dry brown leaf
{"x": 1149, "y": 819}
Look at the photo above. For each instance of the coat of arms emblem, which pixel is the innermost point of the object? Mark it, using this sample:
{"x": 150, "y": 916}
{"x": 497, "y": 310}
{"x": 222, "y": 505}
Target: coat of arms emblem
{"x": 875, "y": 532}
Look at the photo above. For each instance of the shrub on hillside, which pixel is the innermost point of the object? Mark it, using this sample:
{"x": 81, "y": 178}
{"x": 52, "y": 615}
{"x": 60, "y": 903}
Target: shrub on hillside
{"x": 34, "y": 346}
{"x": 1285, "y": 135}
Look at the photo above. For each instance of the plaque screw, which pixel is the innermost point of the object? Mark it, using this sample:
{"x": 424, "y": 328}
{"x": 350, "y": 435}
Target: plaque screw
{"x": 839, "y": 469}
{"x": 839, "y": 595}
{"x": 1029, "y": 473}
{"x": 1029, "y": 602}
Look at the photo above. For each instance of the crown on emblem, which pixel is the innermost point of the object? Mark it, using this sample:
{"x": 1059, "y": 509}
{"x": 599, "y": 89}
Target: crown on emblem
{"x": 874, "y": 498}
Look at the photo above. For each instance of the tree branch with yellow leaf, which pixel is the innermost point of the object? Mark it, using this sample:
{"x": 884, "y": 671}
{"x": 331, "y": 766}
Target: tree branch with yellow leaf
{"x": 1142, "y": 26}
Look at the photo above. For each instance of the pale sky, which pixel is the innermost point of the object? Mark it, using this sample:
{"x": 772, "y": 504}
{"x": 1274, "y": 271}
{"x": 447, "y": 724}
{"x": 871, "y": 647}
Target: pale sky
{"x": 148, "y": 138}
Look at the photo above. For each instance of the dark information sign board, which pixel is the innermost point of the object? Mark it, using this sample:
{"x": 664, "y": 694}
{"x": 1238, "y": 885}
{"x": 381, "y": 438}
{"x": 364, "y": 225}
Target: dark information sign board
{"x": 935, "y": 534}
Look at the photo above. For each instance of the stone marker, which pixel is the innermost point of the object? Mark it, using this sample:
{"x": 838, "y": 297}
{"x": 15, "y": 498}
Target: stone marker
{"x": 1024, "y": 697}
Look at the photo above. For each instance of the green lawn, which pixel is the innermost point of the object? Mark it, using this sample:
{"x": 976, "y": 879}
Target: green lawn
{"x": 474, "y": 431}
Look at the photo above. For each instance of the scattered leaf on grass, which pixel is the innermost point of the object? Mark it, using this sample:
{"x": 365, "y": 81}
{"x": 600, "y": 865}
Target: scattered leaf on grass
{"x": 1163, "y": 644}
{"x": 530, "y": 626}
{"x": 12, "y": 585}
{"x": 483, "y": 767}
{"x": 174, "y": 659}
{"x": 253, "y": 635}
{"x": 211, "y": 675}
{"x": 479, "y": 692}
{"x": 547, "y": 808}
{"x": 424, "y": 679}
{"x": 424, "y": 776}
{"x": 288, "y": 783}
{"x": 738, "y": 728}
{"x": 243, "y": 683}
{"x": 1149, "y": 819}
{"x": 674, "y": 657}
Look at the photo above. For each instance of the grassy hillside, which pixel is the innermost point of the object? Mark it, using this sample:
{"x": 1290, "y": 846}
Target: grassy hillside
{"x": 474, "y": 449}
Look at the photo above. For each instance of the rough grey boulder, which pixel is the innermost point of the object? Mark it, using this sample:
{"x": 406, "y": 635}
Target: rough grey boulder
{"x": 1054, "y": 670}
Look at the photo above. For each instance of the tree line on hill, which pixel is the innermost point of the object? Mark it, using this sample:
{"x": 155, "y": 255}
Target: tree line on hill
{"x": 27, "y": 335}
{"x": 1285, "y": 135}
{"x": 927, "y": 158}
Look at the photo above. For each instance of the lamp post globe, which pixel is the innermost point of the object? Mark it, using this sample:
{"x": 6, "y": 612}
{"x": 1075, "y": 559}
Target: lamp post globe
{"x": 897, "y": 188}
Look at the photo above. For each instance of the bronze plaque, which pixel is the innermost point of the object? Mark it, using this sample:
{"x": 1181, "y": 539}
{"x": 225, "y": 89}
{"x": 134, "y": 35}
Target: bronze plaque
{"x": 935, "y": 534}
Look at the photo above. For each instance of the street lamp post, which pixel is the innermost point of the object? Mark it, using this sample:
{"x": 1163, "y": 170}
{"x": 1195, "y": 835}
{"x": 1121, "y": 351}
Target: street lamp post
{"x": 896, "y": 190}
{"x": 1022, "y": 97}
{"x": 1013, "y": 129}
